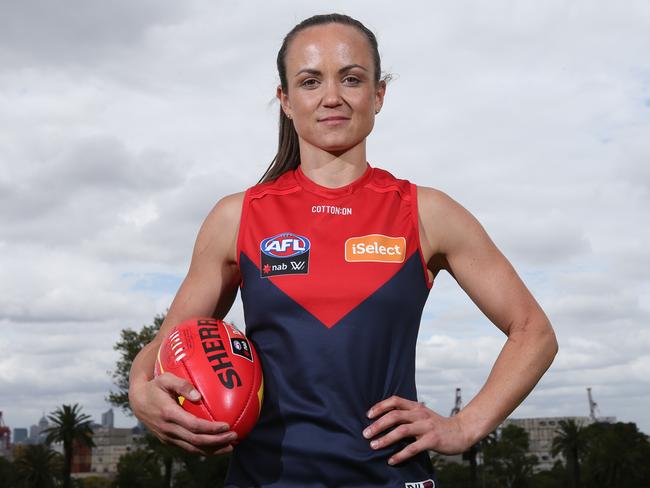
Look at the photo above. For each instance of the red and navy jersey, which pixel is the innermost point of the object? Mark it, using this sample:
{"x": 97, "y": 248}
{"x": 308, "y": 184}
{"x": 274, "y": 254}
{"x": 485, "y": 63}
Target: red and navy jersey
{"x": 333, "y": 287}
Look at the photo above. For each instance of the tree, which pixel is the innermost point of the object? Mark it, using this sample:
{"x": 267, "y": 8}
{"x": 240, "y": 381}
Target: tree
{"x": 508, "y": 461}
{"x": 617, "y": 456}
{"x": 163, "y": 453}
{"x": 95, "y": 482}
{"x": 553, "y": 478}
{"x": 38, "y": 466}
{"x": 129, "y": 346}
{"x": 570, "y": 442}
{"x": 479, "y": 449}
{"x": 7, "y": 473}
{"x": 69, "y": 425}
{"x": 202, "y": 471}
{"x": 452, "y": 474}
{"x": 138, "y": 469}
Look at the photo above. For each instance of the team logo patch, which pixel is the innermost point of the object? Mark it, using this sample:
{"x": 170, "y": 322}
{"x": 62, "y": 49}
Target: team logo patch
{"x": 376, "y": 248}
{"x": 241, "y": 348}
{"x": 285, "y": 253}
{"x": 238, "y": 342}
{"x": 420, "y": 484}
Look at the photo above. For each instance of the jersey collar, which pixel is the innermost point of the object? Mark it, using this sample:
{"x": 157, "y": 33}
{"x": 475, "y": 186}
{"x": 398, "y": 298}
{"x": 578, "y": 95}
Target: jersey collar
{"x": 326, "y": 192}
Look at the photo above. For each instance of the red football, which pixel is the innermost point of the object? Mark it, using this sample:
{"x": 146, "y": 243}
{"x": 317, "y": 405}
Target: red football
{"x": 223, "y": 366}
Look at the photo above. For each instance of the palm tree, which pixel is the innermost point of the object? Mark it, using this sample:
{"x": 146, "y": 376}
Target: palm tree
{"x": 38, "y": 466}
{"x": 70, "y": 425}
{"x": 570, "y": 441}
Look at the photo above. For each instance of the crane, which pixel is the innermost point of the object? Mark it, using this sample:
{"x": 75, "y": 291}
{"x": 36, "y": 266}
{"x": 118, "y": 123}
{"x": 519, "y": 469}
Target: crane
{"x": 5, "y": 434}
{"x": 593, "y": 406}
{"x": 457, "y": 403}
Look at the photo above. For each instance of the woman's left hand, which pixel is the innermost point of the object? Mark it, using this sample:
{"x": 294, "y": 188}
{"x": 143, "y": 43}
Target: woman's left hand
{"x": 413, "y": 419}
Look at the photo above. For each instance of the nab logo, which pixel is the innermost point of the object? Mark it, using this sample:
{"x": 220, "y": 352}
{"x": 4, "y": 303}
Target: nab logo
{"x": 421, "y": 484}
{"x": 285, "y": 253}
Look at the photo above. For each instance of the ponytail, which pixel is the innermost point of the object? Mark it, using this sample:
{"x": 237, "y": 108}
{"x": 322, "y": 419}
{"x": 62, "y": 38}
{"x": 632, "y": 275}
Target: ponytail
{"x": 288, "y": 155}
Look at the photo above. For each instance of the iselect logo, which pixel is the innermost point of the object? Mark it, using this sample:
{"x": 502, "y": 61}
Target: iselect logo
{"x": 376, "y": 248}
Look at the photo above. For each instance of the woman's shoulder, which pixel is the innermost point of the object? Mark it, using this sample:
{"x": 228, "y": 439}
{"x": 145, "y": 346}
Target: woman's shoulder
{"x": 434, "y": 200}
{"x": 226, "y": 213}
{"x": 445, "y": 221}
{"x": 232, "y": 202}
{"x": 217, "y": 236}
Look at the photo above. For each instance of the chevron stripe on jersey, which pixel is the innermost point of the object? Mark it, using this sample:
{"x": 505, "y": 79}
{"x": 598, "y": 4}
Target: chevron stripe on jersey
{"x": 378, "y": 203}
{"x": 333, "y": 287}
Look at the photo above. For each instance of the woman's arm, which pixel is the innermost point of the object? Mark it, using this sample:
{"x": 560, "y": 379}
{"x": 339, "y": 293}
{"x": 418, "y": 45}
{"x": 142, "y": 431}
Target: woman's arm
{"x": 457, "y": 242}
{"x": 489, "y": 279}
{"x": 209, "y": 289}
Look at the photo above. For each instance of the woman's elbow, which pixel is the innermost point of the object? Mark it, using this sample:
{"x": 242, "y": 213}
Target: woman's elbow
{"x": 538, "y": 333}
{"x": 550, "y": 342}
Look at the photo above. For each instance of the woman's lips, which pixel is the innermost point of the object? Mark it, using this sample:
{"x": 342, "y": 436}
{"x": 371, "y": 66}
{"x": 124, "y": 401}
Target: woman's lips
{"x": 334, "y": 120}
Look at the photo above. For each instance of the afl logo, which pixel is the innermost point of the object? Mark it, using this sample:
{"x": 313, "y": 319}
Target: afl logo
{"x": 284, "y": 254}
{"x": 285, "y": 245}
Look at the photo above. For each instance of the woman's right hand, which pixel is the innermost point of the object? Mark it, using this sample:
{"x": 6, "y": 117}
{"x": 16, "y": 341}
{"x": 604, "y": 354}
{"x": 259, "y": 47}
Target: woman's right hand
{"x": 154, "y": 403}
{"x": 209, "y": 289}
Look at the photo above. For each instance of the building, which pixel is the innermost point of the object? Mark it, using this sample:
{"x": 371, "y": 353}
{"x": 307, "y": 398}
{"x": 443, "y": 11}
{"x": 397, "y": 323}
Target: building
{"x": 108, "y": 419}
{"x": 110, "y": 444}
{"x": 20, "y": 435}
{"x": 81, "y": 457}
{"x": 37, "y": 432}
{"x": 542, "y": 430}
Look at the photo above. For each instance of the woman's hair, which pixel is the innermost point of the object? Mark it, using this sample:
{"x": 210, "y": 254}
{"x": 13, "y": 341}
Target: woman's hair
{"x": 288, "y": 155}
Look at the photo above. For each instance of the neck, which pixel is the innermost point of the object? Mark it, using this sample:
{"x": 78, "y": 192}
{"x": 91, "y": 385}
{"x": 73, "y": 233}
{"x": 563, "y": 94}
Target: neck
{"x": 332, "y": 169}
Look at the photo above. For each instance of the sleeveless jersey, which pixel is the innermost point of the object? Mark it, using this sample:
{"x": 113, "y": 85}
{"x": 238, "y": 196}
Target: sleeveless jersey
{"x": 333, "y": 286}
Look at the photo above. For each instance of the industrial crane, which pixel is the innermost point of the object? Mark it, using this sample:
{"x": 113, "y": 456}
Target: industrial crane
{"x": 457, "y": 403}
{"x": 5, "y": 434}
{"x": 593, "y": 407}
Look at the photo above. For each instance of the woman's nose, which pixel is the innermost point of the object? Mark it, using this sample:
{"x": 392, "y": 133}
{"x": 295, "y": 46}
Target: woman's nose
{"x": 332, "y": 94}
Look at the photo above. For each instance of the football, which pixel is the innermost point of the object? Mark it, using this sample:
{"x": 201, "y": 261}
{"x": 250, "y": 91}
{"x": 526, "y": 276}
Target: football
{"x": 222, "y": 364}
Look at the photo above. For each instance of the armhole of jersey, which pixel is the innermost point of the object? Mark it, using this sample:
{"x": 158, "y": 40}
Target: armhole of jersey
{"x": 240, "y": 233}
{"x": 416, "y": 224}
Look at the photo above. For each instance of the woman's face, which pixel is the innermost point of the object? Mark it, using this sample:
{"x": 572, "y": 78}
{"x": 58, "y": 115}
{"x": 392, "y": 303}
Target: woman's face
{"x": 331, "y": 95}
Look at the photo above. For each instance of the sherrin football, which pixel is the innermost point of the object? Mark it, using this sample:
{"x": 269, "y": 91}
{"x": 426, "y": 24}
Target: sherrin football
{"x": 222, "y": 364}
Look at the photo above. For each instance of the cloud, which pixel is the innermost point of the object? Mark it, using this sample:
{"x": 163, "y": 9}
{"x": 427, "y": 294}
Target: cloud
{"x": 92, "y": 185}
{"x": 78, "y": 32}
{"x": 41, "y": 284}
{"x": 543, "y": 239}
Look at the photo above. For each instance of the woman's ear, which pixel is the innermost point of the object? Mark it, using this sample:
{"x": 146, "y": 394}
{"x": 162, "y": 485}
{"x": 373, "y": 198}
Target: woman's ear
{"x": 284, "y": 101}
{"x": 379, "y": 95}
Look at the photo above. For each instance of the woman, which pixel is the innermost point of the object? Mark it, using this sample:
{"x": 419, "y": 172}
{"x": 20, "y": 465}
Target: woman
{"x": 335, "y": 259}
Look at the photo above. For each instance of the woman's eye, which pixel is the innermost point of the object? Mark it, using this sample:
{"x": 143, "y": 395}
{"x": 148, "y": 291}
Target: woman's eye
{"x": 309, "y": 82}
{"x": 352, "y": 79}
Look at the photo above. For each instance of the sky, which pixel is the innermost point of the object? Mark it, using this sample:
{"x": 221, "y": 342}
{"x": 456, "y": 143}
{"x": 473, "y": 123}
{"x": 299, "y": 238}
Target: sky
{"x": 122, "y": 123}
